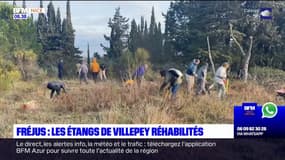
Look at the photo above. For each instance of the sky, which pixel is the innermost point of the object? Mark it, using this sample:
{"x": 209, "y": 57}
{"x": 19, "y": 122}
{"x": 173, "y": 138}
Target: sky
{"x": 90, "y": 18}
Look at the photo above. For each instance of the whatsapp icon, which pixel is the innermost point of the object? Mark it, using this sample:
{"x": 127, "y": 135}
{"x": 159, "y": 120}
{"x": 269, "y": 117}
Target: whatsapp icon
{"x": 269, "y": 110}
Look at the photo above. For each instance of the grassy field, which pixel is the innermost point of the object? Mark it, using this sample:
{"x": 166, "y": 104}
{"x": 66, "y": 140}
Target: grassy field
{"x": 110, "y": 102}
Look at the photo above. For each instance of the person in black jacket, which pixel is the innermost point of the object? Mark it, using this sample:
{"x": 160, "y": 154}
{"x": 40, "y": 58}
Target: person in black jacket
{"x": 55, "y": 87}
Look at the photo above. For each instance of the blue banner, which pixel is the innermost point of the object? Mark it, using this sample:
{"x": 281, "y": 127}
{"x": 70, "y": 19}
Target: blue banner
{"x": 253, "y": 120}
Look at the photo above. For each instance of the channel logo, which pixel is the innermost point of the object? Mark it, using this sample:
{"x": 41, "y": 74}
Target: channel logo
{"x": 265, "y": 13}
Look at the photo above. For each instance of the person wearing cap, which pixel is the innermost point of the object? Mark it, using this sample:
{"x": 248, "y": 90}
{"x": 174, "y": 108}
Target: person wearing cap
{"x": 191, "y": 74}
{"x": 172, "y": 79}
{"x": 201, "y": 79}
{"x": 221, "y": 78}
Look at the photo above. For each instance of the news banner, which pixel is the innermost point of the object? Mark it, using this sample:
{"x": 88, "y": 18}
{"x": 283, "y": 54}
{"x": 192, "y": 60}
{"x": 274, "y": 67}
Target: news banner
{"x": 250, "y": 120}
{"x": 80, "y": 141}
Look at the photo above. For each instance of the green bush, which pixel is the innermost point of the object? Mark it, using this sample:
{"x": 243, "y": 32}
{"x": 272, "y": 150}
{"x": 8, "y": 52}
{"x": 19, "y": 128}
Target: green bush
{"x": 141, "y": 56}
{"x": 8, "y": 74}
{"x": 267, "y": 73}
{"x": 26, "y": 61}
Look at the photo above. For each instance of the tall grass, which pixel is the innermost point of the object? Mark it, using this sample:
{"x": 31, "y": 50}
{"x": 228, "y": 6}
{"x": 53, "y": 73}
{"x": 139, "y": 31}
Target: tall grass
{"x": 110, "y": 102}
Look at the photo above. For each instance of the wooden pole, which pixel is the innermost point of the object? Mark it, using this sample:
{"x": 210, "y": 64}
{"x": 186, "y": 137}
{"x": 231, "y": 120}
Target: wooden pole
{"x": 210, "y": 55}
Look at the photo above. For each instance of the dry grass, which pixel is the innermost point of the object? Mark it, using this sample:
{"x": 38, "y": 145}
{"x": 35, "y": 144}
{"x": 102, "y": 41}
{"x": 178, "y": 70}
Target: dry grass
{"x": 110, "y": 102}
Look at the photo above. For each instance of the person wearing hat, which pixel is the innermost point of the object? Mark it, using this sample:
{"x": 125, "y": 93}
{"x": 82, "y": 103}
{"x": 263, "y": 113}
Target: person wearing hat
{"x": 191, "y": 74}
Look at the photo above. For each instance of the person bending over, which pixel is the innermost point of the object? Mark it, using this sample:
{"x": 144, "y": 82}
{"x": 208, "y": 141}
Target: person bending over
{"x": 172, "y": 79}
{"x": 55, "y": 87}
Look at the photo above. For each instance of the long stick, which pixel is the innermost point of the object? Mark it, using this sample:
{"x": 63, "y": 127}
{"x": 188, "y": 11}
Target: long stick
{"x": 210, "y": 55}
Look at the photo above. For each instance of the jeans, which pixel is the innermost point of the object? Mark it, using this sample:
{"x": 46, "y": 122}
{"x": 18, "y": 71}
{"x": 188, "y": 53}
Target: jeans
{"x": 174, "y": 90}
{"x": 60, "y": 74}
{"x": 222, "y": 90}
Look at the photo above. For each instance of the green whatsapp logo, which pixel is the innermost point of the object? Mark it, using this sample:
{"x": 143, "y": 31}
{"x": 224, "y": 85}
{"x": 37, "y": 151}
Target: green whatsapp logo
{"x": 269, "y": 110}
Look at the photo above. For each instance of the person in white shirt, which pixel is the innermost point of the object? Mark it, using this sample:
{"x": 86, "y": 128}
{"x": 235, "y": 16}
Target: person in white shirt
{"x": 220, "y": 79}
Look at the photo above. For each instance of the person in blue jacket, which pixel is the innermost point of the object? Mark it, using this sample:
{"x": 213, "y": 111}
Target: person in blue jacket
{"x": 191, "y": 74}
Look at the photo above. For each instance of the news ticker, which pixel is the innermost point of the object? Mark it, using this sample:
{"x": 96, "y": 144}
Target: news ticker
{"x": 250, "y": 120}
{"x": 113, "y": 131}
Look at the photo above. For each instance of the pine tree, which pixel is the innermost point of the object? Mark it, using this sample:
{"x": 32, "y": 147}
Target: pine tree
{"x": 68, "y": 12}
{"x": 158, "y": 41}
{"x": 41, "y": 4}
{"x": 133, "y": 38}
{"x": 58, "y": 22}
{"x": 68, "y": 32}
{"x": 141, "y": 33}
{"x": 118, "y": 38}
{"x": 152, "y": 38}
{"x": 169, "y": 38}
{"x": 145, "y": 34}
{"x": 88, "y": 55}
{"x": 42, "y": 28}
{"x": 152, "y": 23}
{"x": 24, "y": 4}
{"x": 51, "y": 19}
{"x": 142, "y": 25}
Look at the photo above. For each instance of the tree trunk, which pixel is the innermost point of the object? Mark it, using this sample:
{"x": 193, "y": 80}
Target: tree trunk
{"x": 210, "y": 55}
{"x": 22, "y": 69}
{"x": 246, "y": 61}
{"x": 246, "y": 56}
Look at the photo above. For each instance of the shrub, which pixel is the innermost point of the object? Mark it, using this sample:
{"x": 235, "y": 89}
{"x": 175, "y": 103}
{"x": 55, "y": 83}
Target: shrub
{"x": 26, "y": 61}
{"x": 141, "y": 56}
{"x": 267, "y": 73}
{"x": 8, "y": 74}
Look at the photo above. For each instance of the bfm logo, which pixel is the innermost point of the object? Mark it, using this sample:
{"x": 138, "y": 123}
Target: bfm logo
{"x": 22, "y": 13}
{"x": 28, "y": 10}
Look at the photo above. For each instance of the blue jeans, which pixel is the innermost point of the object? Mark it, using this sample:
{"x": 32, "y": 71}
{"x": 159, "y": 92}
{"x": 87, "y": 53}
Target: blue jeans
{"x": 60, "y": 74}
{"x": 174, "y": 89}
